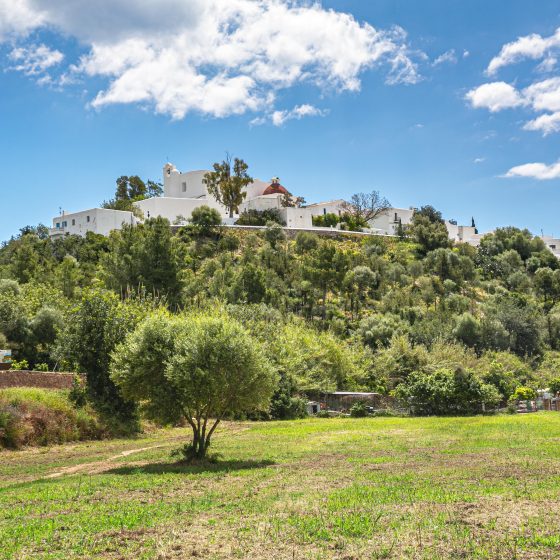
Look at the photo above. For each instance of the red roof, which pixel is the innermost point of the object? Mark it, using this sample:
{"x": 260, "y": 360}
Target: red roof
{"x": 275, "y": 188}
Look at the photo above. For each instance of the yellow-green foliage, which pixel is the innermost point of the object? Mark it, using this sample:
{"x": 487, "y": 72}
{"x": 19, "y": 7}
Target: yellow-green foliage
{"x": 31, "y": 416}
{"x": 319, "y": 360}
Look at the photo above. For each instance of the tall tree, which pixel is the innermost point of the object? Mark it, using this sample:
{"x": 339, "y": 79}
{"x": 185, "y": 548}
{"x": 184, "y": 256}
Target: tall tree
{"x": 227, "y": 181}
{"x": 93, "y": 330}
{"x": 428, "y": 229}
{"x": 365, "y": 207}
{"x": 181, "y": 367}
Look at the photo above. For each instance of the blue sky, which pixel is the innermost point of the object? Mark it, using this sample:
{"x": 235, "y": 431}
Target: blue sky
{"x": 334, "y": 99}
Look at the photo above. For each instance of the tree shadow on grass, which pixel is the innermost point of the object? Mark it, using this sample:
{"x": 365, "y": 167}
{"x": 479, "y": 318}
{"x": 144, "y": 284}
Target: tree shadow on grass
{"x": 191, "y": 468}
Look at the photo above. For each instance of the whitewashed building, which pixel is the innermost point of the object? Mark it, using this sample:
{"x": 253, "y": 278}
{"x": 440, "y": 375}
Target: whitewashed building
{"x": 553, "y": 244}
{"x": 185, "y": 191}
{"x": 96, "y": 220}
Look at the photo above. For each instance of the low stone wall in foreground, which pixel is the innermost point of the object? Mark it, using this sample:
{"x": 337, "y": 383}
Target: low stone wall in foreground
{"x": 40, "y": 379}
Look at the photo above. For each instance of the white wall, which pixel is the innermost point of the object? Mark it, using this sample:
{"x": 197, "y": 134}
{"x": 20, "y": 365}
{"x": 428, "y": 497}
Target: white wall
{"x": 388, "y": 221}
{"x": 190, "y": 185}
{"x": 260, "y": 203}
{"x": 320, "y": 208}
{"x": 170, "y": 208}
{"x": 296, "y": 217}
{"x": 553, "y": 244}
{"x": 97, "y": 220}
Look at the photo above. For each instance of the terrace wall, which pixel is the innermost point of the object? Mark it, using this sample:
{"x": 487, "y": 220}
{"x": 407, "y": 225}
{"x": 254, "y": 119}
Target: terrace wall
{"x": 39, "y": 379}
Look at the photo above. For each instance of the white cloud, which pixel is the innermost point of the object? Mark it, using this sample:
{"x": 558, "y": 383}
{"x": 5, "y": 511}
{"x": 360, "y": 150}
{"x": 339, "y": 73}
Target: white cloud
{"x": 539, "y": 96}
{"x": 528, "y": 47}
{"x": 547, "y": 124}
{"x": 448, "y": 57}
{"x": 219, "y": 57}
{"x": 34, "y": 60}
{"x": 18, "y": 17}
{"x": 495, "y": 96}
{"x": 466, "y": 53}
{"x": 548, "y": 64}
{"x": 278, "y": 118}
{"x": 539, "y": 171}
{"x": 545, "y": 95}
{"x": 479, "y": 160}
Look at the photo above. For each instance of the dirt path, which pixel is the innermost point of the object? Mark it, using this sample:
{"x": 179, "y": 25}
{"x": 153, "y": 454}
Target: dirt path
{"x": 99, "y": 466}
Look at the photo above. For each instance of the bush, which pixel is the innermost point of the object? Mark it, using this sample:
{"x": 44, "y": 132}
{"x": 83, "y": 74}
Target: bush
{"x": 43, "y": 417}
{"x": 78, "y": 392}
{"x": 554, "y": 385}
{"x": 446, "y": 392}
{"x": 204, "y": 221}
{"x": 325, "y": 220}
{"x": 260, "y": 217}
{"x": 22, "y": 364}
{"x": 41, "y": 367}
{"x": 358, "y": 410}
{"x": 523, "y": 394}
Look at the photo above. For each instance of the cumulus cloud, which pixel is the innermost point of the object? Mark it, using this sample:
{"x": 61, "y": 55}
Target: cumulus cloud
{"x": 34, "y": 60}
{"x": 532, "y": 46}
{"x": 542, "y": 97}
{"x": 547, "y": 124}
{"x": 540, "y": 171}
{"x": 448, "y": 57}
{"x": 279, "y": 117}
{"x": 218, "y": 57}
{"x": 495, "y": 96}
{"x": 18, "y": 17}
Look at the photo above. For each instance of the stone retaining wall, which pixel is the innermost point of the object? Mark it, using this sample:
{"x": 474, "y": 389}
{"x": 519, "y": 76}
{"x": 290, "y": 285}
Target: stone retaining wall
{"x": 40, "y": 379}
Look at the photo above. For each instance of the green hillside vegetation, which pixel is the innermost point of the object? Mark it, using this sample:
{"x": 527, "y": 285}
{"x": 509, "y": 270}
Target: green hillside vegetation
{"x": 449, "y": 324}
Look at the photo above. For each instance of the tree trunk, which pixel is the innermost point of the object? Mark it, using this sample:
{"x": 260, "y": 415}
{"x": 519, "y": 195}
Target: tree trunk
{"x": 201, "y": 440}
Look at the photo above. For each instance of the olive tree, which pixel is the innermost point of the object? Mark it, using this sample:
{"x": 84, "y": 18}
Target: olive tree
{"x": 193, "y": 368}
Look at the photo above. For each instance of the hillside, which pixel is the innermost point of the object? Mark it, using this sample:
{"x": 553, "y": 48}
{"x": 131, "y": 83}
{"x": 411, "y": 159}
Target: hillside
{"x": 334, "y": 313}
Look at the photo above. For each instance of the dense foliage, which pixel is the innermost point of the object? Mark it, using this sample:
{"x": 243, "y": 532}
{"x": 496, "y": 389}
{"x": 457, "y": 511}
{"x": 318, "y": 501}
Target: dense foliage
{"x": 44, "y": 417}
{"x": 196, "y": 368}
{"x": 364, "y": 313}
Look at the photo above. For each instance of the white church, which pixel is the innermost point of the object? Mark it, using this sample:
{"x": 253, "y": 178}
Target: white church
{"x": 185, "y": 191}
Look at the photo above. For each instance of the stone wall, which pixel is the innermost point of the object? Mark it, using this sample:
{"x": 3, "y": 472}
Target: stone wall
{"x": 40, "y": 379}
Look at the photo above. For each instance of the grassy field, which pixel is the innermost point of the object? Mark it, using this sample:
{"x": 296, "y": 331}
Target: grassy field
{"x": 482, "y": 487}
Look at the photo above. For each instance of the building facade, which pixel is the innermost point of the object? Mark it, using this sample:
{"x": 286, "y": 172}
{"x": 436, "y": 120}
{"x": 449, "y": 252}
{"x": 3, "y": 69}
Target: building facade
{"x": 185, "y": 191}
{"x": 96, "y": 220}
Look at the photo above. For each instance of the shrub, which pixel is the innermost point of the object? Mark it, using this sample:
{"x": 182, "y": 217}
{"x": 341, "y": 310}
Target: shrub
{"x": 325, "y": 220}
{"x": 523, "y": 394}
{"x": 446, "y": 392}
{"x": 43, "y": 417}
{"x": 358, "y": 410}
{"x": 284, "y": 406}
{"x": 22, "y": 364}
{"x": 78, "y": 392}
{"x": 260, "y": 217}
{"x": 554, "y": 385}
{"x": 204, "y": 220}
{"x": 41, "y": 367}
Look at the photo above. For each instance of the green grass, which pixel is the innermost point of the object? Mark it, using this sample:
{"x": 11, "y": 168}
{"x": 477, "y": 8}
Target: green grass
{"x": 481, "y": 487}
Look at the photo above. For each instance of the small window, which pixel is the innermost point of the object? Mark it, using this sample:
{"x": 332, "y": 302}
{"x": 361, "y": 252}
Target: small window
{"x": 64, "y": 224}
{"x": 73, "y": 222}
{"x": 184, "y": 187}
{"x": 87, "y": 219}
{"x": 324, "y": 211}
{"x": 552, "y": 246}
{"x": 396, "y": 217}
{"x": 57, "y": 224}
